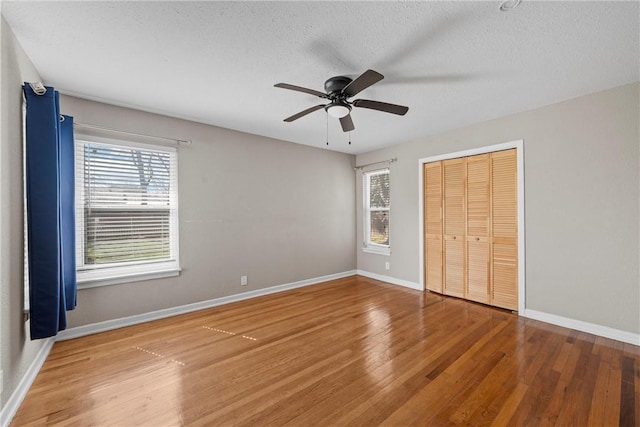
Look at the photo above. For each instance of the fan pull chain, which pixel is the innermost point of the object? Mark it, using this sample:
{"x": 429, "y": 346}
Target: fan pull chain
{"x": 327, "y": 129}
{"x": 349, "y": 137}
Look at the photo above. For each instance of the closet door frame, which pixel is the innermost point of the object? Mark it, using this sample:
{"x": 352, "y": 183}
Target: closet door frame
{"x": 519, "y": 146}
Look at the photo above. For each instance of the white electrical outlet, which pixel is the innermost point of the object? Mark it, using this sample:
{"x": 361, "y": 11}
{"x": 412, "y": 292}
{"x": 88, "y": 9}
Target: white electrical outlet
{"x": 387, "y": 265}
{"x": 243, "y": 281}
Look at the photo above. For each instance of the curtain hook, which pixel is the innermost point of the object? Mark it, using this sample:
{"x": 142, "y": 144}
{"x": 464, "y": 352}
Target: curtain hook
{"x": 38, "y": 88}
{"x": 61, "y": 118}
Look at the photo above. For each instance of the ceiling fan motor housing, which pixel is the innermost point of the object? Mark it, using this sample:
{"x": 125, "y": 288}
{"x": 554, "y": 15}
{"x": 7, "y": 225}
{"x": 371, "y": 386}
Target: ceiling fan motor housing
{"x": 334, "y": 85}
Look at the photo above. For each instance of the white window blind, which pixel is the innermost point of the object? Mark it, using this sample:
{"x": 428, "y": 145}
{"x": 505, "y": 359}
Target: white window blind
{"x": 126, "y": 209}
{"x": 377, "y": 192}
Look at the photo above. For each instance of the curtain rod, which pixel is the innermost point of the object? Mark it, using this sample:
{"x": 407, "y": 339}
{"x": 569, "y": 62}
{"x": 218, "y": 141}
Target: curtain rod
{"x": 174, "y": 140}
{"x": 388, "y": 161}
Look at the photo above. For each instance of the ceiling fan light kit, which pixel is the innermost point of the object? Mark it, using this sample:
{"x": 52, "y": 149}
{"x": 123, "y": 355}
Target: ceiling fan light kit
{"x": 338, "y": 91}
{"x": 338, "y": 110}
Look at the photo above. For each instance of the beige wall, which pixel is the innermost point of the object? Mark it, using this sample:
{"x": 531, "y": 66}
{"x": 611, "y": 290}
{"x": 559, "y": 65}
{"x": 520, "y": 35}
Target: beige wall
{"x": 581, "y": 204}
{"x": 275, "y": 211}
{"x": 17, "y": 351}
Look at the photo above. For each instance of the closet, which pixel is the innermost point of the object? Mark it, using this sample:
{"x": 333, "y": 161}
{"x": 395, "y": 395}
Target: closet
{"x": 471, "y": 228}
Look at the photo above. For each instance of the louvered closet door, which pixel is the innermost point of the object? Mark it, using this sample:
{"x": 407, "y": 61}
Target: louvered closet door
{"x": 433, "y": 226}
{"x": 454, "y": 226}
{"x": 478, "y": 228}
{"x": 504, "y": 226}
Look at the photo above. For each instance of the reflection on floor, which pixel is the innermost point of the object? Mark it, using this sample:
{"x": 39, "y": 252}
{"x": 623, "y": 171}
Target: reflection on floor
{"x": 352, "y": 351}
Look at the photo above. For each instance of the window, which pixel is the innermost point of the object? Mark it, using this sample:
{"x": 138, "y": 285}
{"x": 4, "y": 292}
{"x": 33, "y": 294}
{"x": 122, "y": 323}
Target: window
{"x": 126, "y": 211}
{"x": 376, "y": 208}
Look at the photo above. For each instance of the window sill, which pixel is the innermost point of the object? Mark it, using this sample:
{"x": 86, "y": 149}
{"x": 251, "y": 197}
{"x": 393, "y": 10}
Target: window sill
{"x": 115, "y": 278}
{"x": 377, "y": 250}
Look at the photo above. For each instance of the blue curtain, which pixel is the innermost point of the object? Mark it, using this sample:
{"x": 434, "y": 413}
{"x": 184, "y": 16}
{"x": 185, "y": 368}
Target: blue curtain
{"x": 50, "y": 177}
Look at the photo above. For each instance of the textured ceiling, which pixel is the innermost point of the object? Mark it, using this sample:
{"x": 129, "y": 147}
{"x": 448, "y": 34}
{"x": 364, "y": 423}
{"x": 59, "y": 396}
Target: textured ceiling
{"x": 452, "y": 63}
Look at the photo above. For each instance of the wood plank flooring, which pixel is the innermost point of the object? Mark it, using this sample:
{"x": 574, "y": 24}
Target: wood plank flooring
{"x": 354, "y": 352}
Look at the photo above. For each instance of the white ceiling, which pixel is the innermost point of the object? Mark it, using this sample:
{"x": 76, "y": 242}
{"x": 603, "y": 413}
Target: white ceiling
{"x": 452, "y": 63}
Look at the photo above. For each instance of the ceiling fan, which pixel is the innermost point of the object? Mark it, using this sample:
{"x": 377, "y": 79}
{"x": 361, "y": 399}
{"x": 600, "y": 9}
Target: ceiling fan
{"x": 338, "y": 91}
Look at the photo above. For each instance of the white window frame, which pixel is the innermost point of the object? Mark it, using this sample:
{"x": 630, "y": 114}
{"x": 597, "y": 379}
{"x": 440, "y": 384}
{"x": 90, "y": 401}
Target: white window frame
{"x": 115, "y": 273}
{"x": 367, "y": 245}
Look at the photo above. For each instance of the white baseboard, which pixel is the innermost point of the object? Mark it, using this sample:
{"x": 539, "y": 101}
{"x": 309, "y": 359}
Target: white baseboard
{"x": 592, "y": 328}
{"x": 16, "y": 398}
{"x": 107, "y": 325}
{"x": 392, "y": 280}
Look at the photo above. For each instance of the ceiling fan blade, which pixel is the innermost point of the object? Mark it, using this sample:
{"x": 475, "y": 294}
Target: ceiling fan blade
{"x": 347, "y": 123}
{"x": 304, "y": 113}
{"x": 301, "y": 89}
{"x": 362, "y": 82}
{"x": 381, "y": 106}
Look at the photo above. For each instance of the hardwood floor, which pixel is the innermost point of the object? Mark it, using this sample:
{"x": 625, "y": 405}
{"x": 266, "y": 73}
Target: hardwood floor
{"x": 353, "y": 351}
